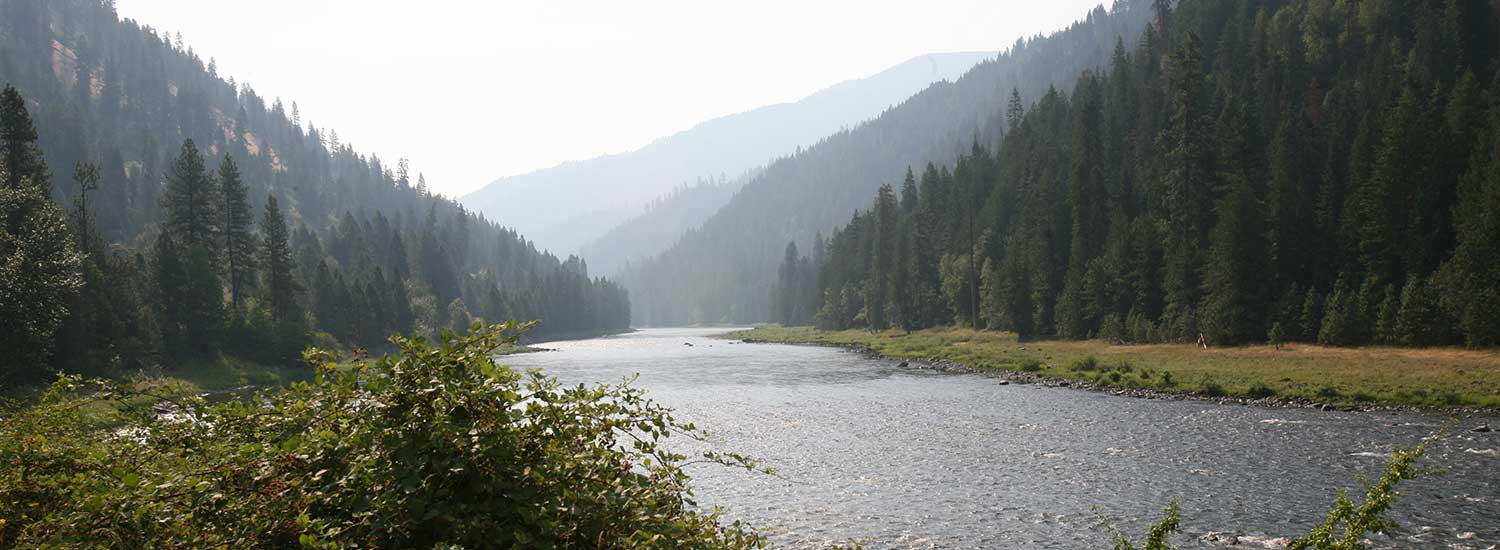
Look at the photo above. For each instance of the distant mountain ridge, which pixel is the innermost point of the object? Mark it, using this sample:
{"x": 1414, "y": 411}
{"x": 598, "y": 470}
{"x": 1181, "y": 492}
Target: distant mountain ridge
{"x": 722, "y": 270}
{"x": 660, "y": 225}
{"x": 568, "y": 205}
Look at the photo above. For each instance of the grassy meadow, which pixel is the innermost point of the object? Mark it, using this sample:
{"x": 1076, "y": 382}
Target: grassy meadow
{"x": 1432, "y": 377}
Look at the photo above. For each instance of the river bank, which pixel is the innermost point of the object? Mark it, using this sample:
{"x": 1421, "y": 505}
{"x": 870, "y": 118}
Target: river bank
{"x": 1445, "y": 379}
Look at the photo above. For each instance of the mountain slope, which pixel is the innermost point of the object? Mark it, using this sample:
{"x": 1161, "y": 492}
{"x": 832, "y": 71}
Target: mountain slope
{"x": 568, "y": 205}
{"x": 659, "y": 225}
{"x": 374, "y": 253}
{"x": 721, "y": 272}
{"x": 1217, "y": 181}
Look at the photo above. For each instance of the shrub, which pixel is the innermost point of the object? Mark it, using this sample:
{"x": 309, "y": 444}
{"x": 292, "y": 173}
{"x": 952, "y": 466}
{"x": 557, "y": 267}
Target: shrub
{"x": 1158, "y": 536}
{"x": 1031, "y": 365}
{"x": 1167, "y": 381}
{"x": 1369, "y": 516}
{"x": 1329, "y": 392}
{"x": 1344, "y": 528}
{"x": 434, "y": 446}
{"x": 1087, "y": 364}
{"x": 1211, "y": 388}
{"x": 1260, "y": 391}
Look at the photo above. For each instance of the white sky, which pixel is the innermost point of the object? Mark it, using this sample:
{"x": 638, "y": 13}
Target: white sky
{"x": 472, "y": 90}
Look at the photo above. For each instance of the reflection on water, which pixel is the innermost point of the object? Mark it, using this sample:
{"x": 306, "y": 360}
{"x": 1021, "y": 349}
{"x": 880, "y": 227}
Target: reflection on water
{"x": 898, "y": 458}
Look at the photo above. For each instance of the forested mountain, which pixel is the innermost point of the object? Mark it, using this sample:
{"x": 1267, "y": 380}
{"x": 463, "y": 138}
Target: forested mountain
{"x": 660, "y": 224}
{"x": 209, "y": 218}
{"x": 569, "y": 205}
{"x": 721, "y": 271}
{"x": 1314, "y": 171}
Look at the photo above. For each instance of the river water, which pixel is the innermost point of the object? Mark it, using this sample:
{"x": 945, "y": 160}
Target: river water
{"x": 893, "y": 457}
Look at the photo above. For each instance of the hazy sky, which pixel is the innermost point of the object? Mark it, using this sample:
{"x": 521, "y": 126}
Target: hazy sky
{"x": 472, "y": 90}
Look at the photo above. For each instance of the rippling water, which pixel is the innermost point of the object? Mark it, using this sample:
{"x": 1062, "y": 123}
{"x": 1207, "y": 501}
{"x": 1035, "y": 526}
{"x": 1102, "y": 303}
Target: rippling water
{"x": 900, "y": 458}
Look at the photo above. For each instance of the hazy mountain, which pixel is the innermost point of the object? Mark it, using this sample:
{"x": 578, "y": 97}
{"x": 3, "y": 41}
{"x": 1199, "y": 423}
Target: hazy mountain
{"x": 566, "y": 206}
{"x": 722, "y": 271}
{"x": 361, "y": 249}
{"x": 659, "y": 224}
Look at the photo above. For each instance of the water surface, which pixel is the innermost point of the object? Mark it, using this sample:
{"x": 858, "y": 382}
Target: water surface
{"x": 900, "y": 458}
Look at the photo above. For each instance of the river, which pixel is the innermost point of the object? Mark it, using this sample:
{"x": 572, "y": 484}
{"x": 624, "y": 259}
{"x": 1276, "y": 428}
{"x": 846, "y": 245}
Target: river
{"x": 894, "y": 457}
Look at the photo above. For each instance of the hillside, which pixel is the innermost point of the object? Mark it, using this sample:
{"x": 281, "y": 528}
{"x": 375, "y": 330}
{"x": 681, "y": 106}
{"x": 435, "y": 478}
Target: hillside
{"x": 194, "y": 181}
{"x": 566, "y": 206}
{"x": 721, "y": 272}
{"x": 659, "y": 224}
{"x": 1219, "y": 182}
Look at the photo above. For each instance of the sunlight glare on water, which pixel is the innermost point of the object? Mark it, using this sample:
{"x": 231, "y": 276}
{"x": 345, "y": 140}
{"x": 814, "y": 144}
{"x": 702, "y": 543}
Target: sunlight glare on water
{"x": 893, "y": 457}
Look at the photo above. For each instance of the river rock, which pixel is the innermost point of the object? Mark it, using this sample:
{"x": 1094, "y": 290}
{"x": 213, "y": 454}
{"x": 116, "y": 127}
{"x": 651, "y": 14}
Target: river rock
{"x": 1481, "y": 429}
{"x": 1246, "y": 541}
{"x": 1275, "y": 543}
{"x": 1005, "y": 382}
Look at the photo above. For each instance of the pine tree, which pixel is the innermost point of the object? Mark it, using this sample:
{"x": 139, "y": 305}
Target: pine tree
{"x": 281, "y": 286}
{"x": 784, "y": 293}
{"x": 1189, "y": 154}
{"x": 1015, "y": 112}
{"x": 192, "y": 201}
{"x": 1290, "y": 205}
{"x": 1236, "y": 296}
{"x": 39, "y": 265}
{"x": 1471, "y": 277}
{"x": 1421, "y": 320}
{"x": 1089, "y": 199}
{"x": 884, "y": 259}
{"x": 239, "y": 242}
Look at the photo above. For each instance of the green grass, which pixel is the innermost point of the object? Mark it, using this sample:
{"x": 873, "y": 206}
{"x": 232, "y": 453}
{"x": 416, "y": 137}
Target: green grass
{"x": 1434, "y": 377}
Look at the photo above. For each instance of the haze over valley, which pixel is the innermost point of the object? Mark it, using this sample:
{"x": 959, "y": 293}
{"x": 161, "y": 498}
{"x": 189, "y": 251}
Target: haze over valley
{"x": 1150, "y": 274}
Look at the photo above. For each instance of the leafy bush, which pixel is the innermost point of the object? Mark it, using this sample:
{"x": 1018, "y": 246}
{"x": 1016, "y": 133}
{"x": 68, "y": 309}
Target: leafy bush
{"x": 1355, "y": 522}
{"x": 1328, "y": 392}
{"x": 1369, "y": 516}
{"x": 1158, "y": 536}
{"x": 1031, "y": 365}
{"x": 1211, "y": 388}
{"x": 436, "y": 445}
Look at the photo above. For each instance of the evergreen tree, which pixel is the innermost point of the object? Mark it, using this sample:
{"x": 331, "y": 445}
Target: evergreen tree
{"x": 1189, "y": 154}
{"x": 239, "y": 242}
{"x": 39, "y": 265}
{"x": 280, "y": 281}
{"x": 1471, "y": 277}
{"x": 192, "y": 201}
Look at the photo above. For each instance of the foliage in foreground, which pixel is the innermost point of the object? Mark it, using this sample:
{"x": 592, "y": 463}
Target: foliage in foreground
{"x": 436, "y": 445}
{"x": 1344, "y": 528}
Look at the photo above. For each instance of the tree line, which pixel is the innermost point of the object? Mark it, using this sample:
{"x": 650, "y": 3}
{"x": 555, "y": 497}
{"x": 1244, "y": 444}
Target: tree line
{"x": 1311, "y": 171}
{"x": 722, "y": 270}
{"x": 168, "y": 254}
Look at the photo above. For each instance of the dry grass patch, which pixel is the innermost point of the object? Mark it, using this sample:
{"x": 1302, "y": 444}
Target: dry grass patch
{"x": 1376, "y": 375}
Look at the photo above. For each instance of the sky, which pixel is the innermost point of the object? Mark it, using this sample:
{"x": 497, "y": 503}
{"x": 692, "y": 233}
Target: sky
{"x": 474, "y": 90}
